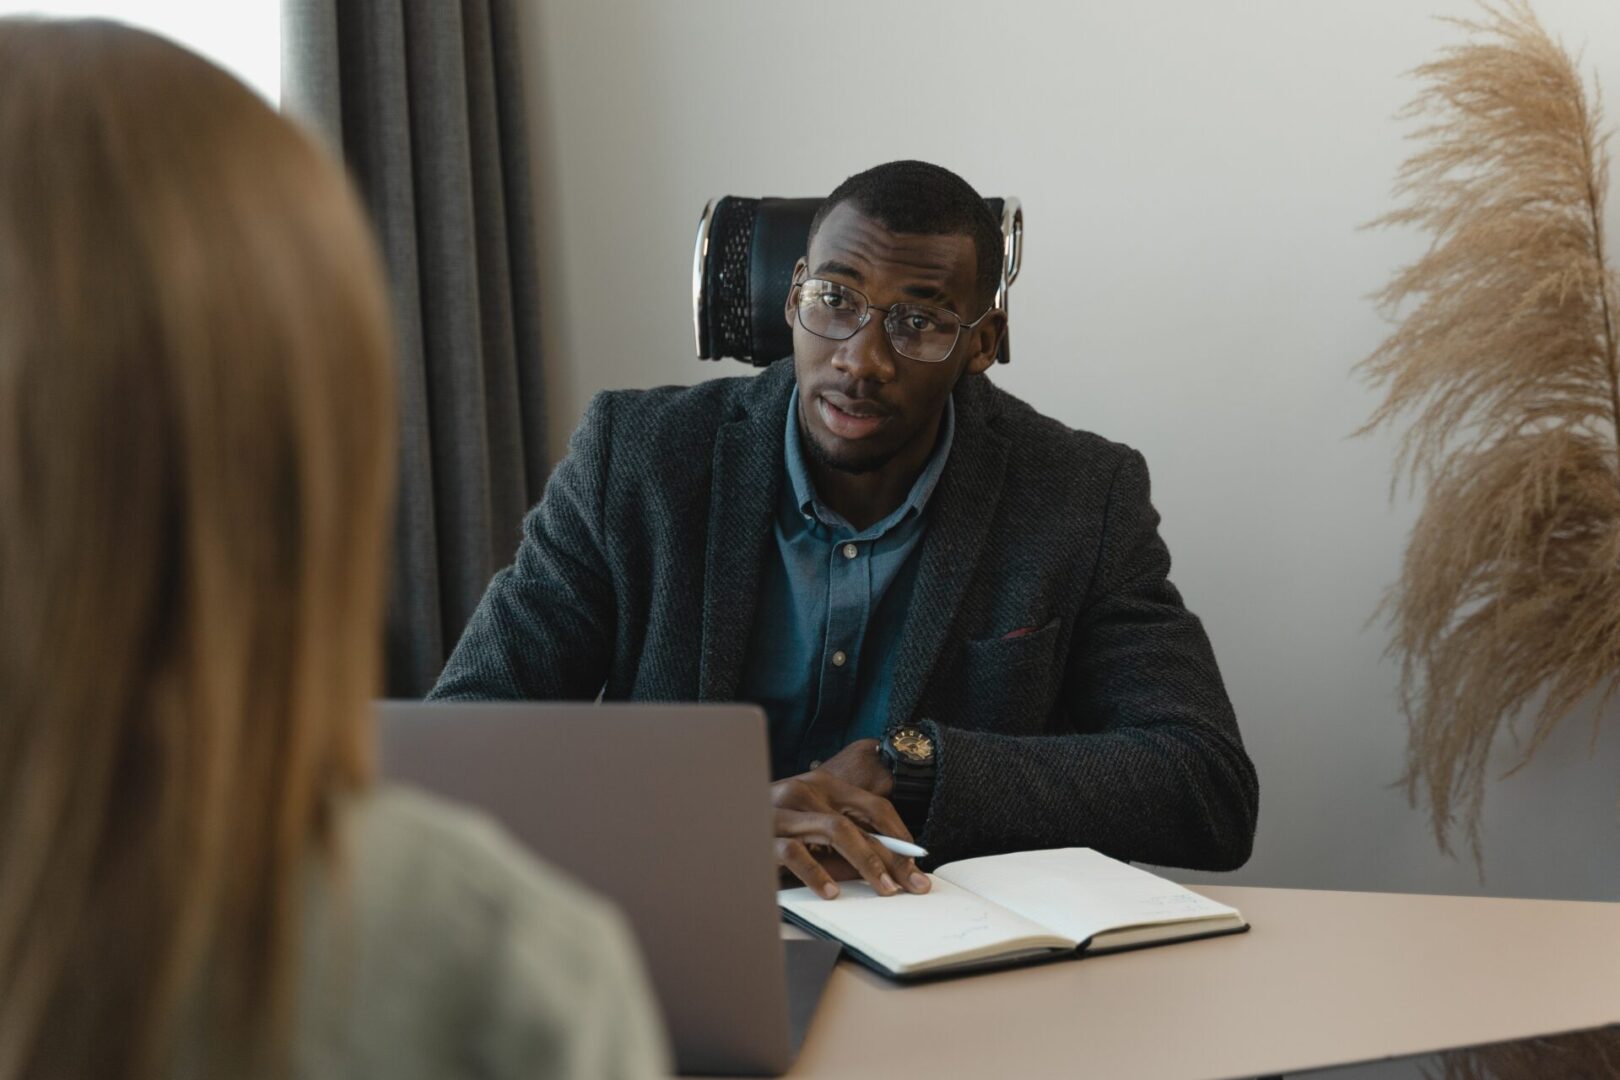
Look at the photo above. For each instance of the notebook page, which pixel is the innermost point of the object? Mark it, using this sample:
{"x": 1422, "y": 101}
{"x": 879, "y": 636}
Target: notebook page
{"x": 915, "y": 931}
{"x": 1079, "y": 892}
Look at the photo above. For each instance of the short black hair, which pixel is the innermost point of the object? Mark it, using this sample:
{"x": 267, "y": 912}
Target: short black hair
{"x": 925, "y": 200}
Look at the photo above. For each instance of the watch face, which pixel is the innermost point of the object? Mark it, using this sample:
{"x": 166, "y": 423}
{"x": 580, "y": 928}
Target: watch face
{"x": 913, "y": 745}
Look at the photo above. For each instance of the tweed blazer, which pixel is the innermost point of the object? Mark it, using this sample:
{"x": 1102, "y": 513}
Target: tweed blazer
{"x": 1073, "y": 698}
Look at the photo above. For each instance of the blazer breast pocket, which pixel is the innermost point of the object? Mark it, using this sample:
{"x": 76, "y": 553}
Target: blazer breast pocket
{"x": 1006, "y": 684}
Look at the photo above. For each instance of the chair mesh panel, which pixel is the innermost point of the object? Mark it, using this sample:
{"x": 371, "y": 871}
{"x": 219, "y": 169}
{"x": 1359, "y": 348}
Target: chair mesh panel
{"x": 730, "y": 306}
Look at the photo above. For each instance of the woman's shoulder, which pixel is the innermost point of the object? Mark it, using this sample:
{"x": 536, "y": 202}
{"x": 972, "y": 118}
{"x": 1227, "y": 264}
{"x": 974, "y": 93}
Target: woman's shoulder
{"x": 421, "y": 861}
{"x": 450, "y": 919}
{"x": 401, "y": 833}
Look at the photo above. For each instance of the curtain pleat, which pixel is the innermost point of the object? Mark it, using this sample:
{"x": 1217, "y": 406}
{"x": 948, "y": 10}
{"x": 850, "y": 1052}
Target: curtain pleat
{"x": 425, "y": 100}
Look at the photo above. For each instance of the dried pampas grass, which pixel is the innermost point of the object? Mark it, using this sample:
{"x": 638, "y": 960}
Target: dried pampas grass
{"x": 1509, "y": 599}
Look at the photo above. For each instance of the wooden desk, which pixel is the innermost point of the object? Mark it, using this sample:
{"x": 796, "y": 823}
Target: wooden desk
{"x": 1322, "y": 978}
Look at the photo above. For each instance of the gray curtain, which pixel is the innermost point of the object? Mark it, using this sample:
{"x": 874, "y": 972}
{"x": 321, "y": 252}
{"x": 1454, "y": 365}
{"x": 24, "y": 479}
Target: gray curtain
{"x": 424, "y": 98}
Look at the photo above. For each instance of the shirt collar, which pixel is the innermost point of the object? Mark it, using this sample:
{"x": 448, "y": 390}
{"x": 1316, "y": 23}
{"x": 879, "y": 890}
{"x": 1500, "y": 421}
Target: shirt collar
{"x": 804, "y": 489}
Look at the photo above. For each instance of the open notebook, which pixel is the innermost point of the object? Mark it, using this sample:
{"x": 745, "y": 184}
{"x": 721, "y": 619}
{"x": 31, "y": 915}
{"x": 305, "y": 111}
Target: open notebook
{"x": 1003, "y": 910}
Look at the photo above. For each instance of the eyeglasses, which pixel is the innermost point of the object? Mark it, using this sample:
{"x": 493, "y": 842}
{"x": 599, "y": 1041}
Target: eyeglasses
{"x": 917, "y": 331}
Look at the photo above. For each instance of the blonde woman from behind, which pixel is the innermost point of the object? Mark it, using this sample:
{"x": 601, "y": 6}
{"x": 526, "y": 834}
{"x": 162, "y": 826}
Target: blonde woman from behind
{"x": 196, "y": 461}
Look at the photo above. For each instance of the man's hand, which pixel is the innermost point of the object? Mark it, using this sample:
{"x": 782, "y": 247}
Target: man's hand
{"x": 860, "y": 764}
{"x": 822, "y": 819}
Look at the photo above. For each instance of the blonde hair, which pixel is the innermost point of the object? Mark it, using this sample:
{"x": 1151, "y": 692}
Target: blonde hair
{"x": 196, "y": 460}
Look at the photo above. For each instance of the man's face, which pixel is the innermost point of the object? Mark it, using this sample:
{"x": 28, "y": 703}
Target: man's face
{"x": 861, "y": 403}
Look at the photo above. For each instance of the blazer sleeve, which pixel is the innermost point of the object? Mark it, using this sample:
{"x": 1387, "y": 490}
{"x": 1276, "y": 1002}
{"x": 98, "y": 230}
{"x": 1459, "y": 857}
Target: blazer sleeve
{"x": 1155, "y": 770}
{"x": 544, "y": 628}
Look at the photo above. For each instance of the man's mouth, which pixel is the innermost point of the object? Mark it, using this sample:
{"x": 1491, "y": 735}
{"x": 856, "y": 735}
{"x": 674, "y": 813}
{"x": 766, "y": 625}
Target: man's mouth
{"x": 850, "y": 418}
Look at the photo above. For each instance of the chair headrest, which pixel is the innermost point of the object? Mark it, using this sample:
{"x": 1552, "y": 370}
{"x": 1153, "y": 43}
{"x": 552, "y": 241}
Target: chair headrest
{"x": 742, "y": 267}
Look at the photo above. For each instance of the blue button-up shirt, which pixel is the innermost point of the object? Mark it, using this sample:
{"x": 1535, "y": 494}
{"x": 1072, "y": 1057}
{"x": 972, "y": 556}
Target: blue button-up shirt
{"x": 830, "y": 609}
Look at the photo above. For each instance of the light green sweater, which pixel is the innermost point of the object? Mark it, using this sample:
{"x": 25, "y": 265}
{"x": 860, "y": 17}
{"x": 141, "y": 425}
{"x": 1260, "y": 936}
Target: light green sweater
{"x": 450, "y": 952}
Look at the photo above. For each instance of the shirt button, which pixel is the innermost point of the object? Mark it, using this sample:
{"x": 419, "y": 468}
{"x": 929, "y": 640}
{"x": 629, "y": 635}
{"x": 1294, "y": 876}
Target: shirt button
{"x": 838, "y": 658}
{"x": 816, "y": 764}
{"x": 850, "y": 551}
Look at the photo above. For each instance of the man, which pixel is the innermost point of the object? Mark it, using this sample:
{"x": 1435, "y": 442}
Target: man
{"x": 954, "y": 610}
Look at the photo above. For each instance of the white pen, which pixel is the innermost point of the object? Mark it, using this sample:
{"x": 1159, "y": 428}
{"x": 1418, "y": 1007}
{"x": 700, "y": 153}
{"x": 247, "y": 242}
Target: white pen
{"x": 899, "y": 847}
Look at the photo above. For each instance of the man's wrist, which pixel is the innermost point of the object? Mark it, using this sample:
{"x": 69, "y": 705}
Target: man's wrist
{"x": 911, "y": 752}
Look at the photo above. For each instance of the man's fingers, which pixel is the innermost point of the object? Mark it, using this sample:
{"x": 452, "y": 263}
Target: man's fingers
{"x": 836, "y": 867}
{"x": 823, "y": 792}
{"x": 874, "y": 811}
{"x": 905, "y": 871}
{"x": 820, "y": 792}
{"x": 805, "y": 815}
{"x": 836, "y": 831}
{"x": 865, "y": 855}
{"x": 797, "y": 858}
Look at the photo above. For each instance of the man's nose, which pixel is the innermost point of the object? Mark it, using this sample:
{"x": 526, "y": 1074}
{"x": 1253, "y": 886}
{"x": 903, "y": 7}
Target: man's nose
{"x": 868, "y": 354}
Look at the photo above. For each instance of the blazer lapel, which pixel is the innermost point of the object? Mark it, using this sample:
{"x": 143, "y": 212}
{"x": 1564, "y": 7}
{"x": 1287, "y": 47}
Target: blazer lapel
{"x": 742, "y": 498}
{"x": 963, "y": 508}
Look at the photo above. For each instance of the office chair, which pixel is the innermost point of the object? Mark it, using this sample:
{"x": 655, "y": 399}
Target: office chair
{"x": 742, "y": 267}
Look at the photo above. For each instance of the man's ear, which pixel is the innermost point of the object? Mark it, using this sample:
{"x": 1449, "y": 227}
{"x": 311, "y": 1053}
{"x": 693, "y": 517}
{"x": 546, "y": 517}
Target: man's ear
{"x": 984, "y": 342}
{"x": 787, "y": 302}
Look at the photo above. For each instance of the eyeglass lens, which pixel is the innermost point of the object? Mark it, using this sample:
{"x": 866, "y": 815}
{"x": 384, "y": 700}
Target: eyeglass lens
{"x": 917, "y": 331}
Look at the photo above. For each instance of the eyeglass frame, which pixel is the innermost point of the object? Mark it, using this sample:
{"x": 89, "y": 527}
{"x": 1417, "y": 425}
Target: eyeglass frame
{"x": 888, "y": 334}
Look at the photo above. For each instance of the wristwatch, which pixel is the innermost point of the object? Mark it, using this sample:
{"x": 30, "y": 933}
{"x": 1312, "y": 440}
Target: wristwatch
{"x": 909, "y": 753}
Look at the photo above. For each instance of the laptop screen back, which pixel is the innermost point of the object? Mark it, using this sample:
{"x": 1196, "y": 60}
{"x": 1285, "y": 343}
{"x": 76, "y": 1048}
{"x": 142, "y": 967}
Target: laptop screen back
{"x": 665, "y": 810}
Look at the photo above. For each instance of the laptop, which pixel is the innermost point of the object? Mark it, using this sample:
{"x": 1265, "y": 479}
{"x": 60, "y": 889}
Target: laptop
{"x": 663, "y": 809}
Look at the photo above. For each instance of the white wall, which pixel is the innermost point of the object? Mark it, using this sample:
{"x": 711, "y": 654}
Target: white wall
{"x": 1193, "y": 175}
{"x": 243, "y": 36}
